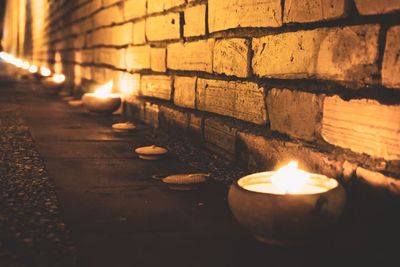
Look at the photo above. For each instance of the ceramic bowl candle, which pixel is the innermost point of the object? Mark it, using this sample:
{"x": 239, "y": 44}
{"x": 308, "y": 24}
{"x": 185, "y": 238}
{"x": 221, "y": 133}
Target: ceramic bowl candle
{"x": 287, "y": 207}
{"x": 102, "y": 101}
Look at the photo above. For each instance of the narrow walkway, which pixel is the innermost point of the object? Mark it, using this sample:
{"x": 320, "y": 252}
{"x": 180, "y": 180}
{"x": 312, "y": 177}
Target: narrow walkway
{"x": 117, "y": 214}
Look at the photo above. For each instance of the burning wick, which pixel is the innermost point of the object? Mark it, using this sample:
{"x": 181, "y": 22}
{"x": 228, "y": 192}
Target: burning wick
{"x": 25, "y": 65}
{"x": 289, "y": 179}
{"x": 45, "y": 71}
{"x": 105, "y": 90}
{"x": 59, "y": 78}
{"x": 33, "y": 69}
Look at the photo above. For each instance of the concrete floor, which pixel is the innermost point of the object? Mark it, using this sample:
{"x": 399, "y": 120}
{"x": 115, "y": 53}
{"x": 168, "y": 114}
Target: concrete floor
{"x": 119, "y": 216}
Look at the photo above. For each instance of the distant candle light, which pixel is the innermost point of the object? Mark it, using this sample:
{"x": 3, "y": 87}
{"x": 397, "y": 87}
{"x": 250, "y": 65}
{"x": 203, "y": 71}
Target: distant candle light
{"x": 33, "y": 69}
{"x": 59, "y": 78}
{"x": 45, "y": 71}
{"x": 25, "y": 65}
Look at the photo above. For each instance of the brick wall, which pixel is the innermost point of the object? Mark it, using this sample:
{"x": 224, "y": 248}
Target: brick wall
{"x": 257, "y": 82}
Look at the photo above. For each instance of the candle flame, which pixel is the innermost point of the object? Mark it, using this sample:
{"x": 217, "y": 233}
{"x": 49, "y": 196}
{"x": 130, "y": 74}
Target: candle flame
{"x": 59, "y": 78}
{"x": 104, "y": 90}
{"x": 45, "y": 71}
{"x": 25, "y": 65}
{"x": 33, "y": 69}
{"x": 289, "y": 179}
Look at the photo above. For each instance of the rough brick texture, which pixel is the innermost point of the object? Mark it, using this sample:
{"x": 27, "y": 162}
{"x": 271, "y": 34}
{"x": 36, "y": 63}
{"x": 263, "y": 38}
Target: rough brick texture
{"x": 226, "y": 14}
{"x": 158, "y": 59}
{"x": 364, "y": 126}
{"x": 372, "y": 7}
{"x": 169, "y": 29}
{"x": 158, "y": 86}
{"x": 242, "y": 100}
{"x": 134, "y": 9}
{"x": 185, "y": 91}
{"x": 346, "y": 54}
{"x": 314, "y": 10}
{"x": 139, "y": 32}
{"x": 138, "y": 57}
{"x": 391, "y": 59}
{"x": 195, "y": 21}
{"x": 231, "y": 57}
{"x": 196, "y": 55}
{"x": 295, "y": 113}
{"x": 220, "y": 137}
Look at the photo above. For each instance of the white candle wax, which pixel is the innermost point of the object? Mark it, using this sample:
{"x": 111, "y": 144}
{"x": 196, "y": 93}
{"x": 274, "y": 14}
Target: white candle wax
{"x": 272, "y": 189}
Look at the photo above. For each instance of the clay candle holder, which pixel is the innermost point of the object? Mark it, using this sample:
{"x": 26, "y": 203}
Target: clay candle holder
{"x": 288, "y": 206}
{"x": 123, "y": 127}
{"x": 185, "y": 181}
{"x": 151, "y": 152}
{"x": 102, "y": 101}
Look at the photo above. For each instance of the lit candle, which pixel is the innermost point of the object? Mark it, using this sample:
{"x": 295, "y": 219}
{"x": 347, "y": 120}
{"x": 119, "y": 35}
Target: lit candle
{"x": 102, "y": 100}
{"x": 45, "y": 71}
{"x": 288, "y": 206}
{"x": 288, "y": 180}
{"x": 33, "y": 69}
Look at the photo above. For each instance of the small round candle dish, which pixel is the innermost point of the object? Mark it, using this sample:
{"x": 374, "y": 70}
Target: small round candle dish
{"x": 185, "y": 181}
{"x": 281, "y": 218}
{"x": 123, "y": 127}
{"x": 101, "y": 105}
{"x": 151, "y": 152}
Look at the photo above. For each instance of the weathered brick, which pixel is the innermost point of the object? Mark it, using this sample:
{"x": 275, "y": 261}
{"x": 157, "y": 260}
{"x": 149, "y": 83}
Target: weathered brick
{"x": 134, "y": 9}
{"x": 151, "y": 114}
{"x": 295, "y": 113}
{"x": 139, "y": 32}
{"x": 120, "y": 35}
{"x": 163, "y": 27}
{"x": 391, "y": 59}
{"x": 159, "y": 86}
{"x": 242, "y": 100}
{"x": 191, "y": 56}
{"x": 128, "y": 84}
{"x": 364, "y": 126}
{"x": 260, "y": 153}
{"x": 231, "y": 57}
{"x": 185, "y": 91}
{"x": 110, "y": 56}
{"x": 195, "y": 21}
{"x": 138, "y": 57}
{"x": 372, "y": 7}
{"x": 158, "y": 59}
{"x": 173, "y": 119}
{"x": 172, "y": 3}
{"x": 108, "y": 16}
{"x": 220, "y": 137}
{"x": 154, "y": 6}
{"x": 225, "y": 14}
{"x": 314, "y": 10}
{"x": 346, "y": 54}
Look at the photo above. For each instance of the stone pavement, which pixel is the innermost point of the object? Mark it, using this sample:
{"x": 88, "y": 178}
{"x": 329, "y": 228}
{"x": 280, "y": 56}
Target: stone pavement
{"x": 118, "y": 215}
